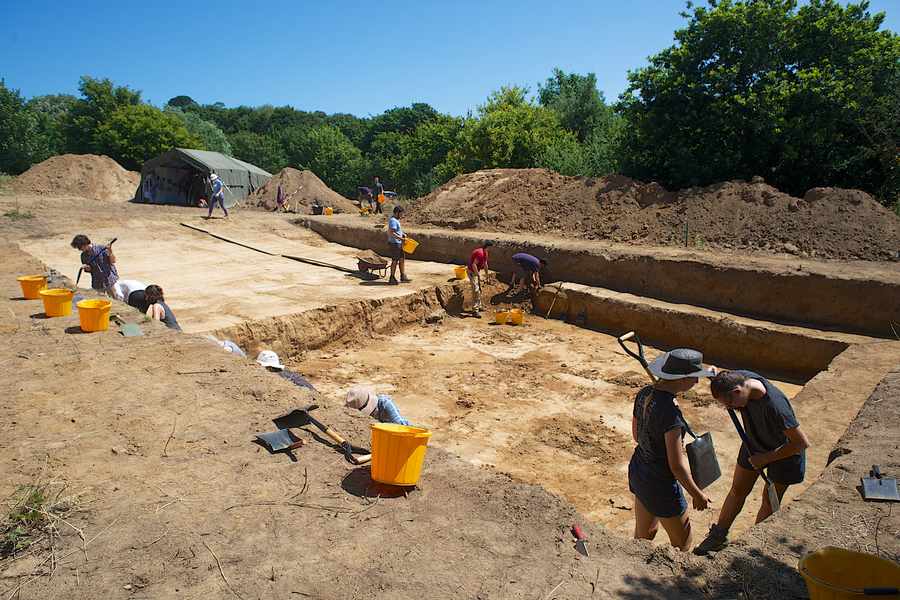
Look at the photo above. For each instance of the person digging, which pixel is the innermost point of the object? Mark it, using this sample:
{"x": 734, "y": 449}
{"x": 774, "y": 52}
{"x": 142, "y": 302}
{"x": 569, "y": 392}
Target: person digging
{"x": 478, "y": 262}
{"x": 778, "y": 446}
{"x": 396, "y": 238}
{"x": 378, "y": 406}
{"x": 100, "y": 262}
{"x": 529, "y": 273}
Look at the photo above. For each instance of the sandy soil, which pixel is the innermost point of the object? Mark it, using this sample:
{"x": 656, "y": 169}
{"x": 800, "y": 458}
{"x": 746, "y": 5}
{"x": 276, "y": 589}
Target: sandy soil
{"x": 211, "y": 284}
{"x": 175, "y": 501}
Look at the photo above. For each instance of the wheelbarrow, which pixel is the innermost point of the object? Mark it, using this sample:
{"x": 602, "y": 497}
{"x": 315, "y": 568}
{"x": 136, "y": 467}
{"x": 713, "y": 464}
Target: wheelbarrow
{"x": 370, "y": 263}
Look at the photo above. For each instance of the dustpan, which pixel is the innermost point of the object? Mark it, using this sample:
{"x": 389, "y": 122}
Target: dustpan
{"x": 878, "y": 488}
{"x": 277, "y": 441}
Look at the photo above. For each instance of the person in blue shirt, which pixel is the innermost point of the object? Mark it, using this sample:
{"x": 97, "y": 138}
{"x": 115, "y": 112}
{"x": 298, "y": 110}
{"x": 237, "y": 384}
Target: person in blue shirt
{"x": 777, "y": 445}
{"x": 217, "y": 194}
{"x": 379, "y": 406}
{"x": 395, "y": 247}
{"x": 529, "y": 273}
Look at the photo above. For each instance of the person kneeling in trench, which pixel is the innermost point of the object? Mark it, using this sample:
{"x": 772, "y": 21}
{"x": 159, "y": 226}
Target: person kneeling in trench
{"x": 156, "y": 306}
{"x": 269, "y": 359}
{"x": 378, "y": 406}
{"x": 779, "y": 447}
{"x": 659, "y": 464}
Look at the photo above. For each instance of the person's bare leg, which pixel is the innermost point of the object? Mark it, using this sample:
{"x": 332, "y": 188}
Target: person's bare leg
{"x": 679, "y": 531}
{"x": 741, "y": 485}
{"x": 765, "y": 507}
{"x": 645, "y": 524}
{"x": 402, "y": 267}
{"x": 393, "y": 268}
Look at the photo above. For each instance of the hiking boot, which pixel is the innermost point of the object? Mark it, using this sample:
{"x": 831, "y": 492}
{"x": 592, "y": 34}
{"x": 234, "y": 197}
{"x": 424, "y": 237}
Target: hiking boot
{"x": 716, "y": 539}
{"x": 393, "y": 281}
{"x": 405, "y": 279}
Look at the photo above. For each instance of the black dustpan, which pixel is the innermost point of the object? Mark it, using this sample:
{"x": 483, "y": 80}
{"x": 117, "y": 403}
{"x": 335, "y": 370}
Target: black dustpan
{"x": 878, "y": 488}
{"x": 277, "y": 441}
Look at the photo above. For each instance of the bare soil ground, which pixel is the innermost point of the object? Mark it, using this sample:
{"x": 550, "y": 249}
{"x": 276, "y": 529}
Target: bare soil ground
{"x": 731, "y": 216}
{"x": 175, "y": 501}
{"x": 301, "y": 190}
{"x": 82, "y": 175}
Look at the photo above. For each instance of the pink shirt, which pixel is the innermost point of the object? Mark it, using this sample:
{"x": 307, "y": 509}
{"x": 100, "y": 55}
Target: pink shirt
{"x": 478, "y": 260}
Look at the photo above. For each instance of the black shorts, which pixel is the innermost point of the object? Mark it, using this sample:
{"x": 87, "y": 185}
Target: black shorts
{"x": 787, "y": 471}
{"x": 395, "y": 251}
{"x": 662, "y": 497}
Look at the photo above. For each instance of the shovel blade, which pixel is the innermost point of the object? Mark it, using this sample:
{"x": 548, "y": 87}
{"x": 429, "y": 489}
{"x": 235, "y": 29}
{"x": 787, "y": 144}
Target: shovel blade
{"x": 774, "y": 501}
{"x": 277, "y": 440}
{"x": 881, "y": 489}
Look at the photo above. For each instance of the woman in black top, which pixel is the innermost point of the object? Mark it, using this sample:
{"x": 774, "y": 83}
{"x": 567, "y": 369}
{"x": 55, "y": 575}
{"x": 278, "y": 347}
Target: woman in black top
{"x": 658, "y": 464}
{"x": 158, "y": 309}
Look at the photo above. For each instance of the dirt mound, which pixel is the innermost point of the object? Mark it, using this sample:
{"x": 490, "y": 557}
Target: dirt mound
{"x": 301, "y": 188}
{"x": 82, "y": 175}
{"x": 734, "y": 215}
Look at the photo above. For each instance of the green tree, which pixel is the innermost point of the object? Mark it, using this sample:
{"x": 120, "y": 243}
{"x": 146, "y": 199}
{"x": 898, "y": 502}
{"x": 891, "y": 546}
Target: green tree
{"x": 764, "y": 87}
{"x": 509, "y": 131}
{"x": 420, "y": 164}
{"x": 100, "y": 99}
{"x": 577, "y": 101}
{"x": 211, "y": 137}
{"x": 50, "y": 113}
{"x": 397, "y": 120}
{"x": 264, "y": 151}
{"x": 19, "y": 136}
{"x": 135, "y": 133}
{"x": 328, "y": 153}
{"x": 181, "y": 102}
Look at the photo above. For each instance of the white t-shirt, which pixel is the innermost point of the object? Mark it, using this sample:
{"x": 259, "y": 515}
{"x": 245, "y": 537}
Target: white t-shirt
{"x": 123, "y": 288}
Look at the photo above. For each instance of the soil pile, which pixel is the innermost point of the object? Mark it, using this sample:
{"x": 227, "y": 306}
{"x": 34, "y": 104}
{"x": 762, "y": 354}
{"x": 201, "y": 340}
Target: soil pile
{"x": 301, "y": 188}
{"x": 83, "y": 175}
{"x": 734, "y": 215}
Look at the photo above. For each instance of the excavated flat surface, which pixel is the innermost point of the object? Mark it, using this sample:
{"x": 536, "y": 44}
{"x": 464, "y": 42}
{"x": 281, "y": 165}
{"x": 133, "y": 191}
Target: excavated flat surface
{"x": 211, "y": 284}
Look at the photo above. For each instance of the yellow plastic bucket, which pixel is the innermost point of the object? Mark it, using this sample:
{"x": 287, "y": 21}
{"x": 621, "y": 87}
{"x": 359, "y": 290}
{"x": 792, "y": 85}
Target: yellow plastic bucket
{"x": 410, "y": 245}
{"x": 461, "y": 272}
{"x": 516, "y": 316}
{"x": 501, "y": 317}
{"x": 94, "y": 314}
{"x": 398, "y": 452}
{"x": 57, "y": 302}
{"x": 329, "y": 210}
{"x": 32, "y": 285}
{"x": 834, "y": 573}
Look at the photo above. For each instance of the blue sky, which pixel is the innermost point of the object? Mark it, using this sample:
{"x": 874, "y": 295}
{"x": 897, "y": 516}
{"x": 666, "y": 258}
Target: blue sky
{"x": 356, "y": 57}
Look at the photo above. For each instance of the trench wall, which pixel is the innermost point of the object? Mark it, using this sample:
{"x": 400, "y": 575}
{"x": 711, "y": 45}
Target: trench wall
{"x": 785, "y": 352}
{"x": 800, "y": 292}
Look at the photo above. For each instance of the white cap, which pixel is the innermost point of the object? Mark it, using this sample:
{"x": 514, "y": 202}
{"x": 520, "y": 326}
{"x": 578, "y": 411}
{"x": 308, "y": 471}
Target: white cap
{"x": 362, "y": 397}
{"x": 267, "y": 358}
{"x": 213, "y": 176}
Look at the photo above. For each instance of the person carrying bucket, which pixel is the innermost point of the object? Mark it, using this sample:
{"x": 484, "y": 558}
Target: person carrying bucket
{"x": 378, "y": 194}
{"x": 379, "y": 406}
{"x": 778, "y": 446}
{"x": 659, "y": 469}
{"x": 100, "y": 262}
{"x": 217, "y": 194}
{"x": 396, "y": 237}
{"x": 478, "y": 262}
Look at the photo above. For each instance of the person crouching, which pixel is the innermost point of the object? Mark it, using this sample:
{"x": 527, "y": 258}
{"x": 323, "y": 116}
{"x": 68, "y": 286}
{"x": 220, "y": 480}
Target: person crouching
{"x": 378, "y": 406}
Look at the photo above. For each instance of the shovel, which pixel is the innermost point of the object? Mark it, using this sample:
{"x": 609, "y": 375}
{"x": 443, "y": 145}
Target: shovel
{"x": 774, "y": 500}
{"x": 78, "y": 277}
{"x": 878, "y": 488}
{"x": 276, "y": 441}
{"x": 301, "y": 417}
{"x": 639, "y": 355}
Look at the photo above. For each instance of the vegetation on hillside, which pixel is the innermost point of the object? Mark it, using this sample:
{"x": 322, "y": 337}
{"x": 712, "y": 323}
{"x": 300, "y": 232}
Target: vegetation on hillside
{"x": 802, "y": 95}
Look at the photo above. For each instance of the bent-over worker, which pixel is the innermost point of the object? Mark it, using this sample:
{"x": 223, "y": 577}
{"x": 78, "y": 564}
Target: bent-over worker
{"x": 529, "y": 271}
{"x": 379, "y": 406}
{"x": 100, "y": 262}
{"x": 157, "y": 307}
{"x": 269, "y": 359}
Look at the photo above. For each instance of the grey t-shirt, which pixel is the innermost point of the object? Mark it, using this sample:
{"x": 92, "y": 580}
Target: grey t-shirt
{"x": 766, "y": 419}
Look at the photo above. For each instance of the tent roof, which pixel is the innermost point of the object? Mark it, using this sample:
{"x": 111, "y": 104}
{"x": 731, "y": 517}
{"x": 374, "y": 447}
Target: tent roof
{"x": 216, "y": 161}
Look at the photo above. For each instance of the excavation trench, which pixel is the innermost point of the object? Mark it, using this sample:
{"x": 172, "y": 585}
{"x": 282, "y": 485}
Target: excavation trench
{"x": 550, "y": 402}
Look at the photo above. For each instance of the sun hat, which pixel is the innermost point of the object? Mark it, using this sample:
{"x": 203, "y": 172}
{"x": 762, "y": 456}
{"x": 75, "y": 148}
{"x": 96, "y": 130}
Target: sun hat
{"x": 362, "y": 397}
{"x": 679, "y": 364}
{"x": 268, "y": 358}
{"x": 213, "y": 176}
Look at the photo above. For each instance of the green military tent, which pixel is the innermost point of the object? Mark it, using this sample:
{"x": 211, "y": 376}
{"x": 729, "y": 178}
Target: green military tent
{"x": 180, "y": 176}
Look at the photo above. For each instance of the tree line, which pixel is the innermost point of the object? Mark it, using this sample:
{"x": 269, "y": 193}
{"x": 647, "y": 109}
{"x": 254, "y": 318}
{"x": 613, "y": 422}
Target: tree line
{"x": 802, "y": 95}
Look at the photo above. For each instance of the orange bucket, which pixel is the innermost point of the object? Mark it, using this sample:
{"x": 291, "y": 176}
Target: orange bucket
{"x": 32, "y": 285}
{"x": 57, "y": 302}
{"x": 94, "y": 314}
{"x": 398, "y": 453}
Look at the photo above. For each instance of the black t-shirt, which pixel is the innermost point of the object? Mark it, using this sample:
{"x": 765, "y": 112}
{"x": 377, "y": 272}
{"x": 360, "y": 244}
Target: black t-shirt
{"x": 661, "y": 416}
{"x": 138, "y": 299}
{"x": 766, "y": 419}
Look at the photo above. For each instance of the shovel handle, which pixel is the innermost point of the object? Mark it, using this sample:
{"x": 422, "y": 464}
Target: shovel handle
{"x": 639, "y": 355}
{"x": 743, "y": 435}
{"x": 335, "y": 436}
{"x": 579, "y": 535}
